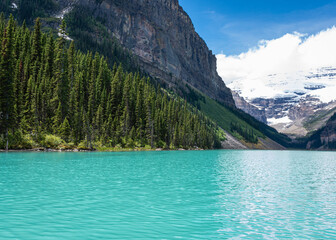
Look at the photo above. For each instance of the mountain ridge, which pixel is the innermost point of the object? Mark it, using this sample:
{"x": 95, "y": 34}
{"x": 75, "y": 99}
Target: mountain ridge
{"x": 88, "y": 28}
{"x": 292, "y": 100}
{"x": 163, "y": 37}
{"x": 325, "y": 137}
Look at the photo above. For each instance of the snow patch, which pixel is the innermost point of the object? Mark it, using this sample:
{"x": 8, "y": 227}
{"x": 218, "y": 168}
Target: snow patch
{"x": 325, "y": 95}
{"x": 319, "y": 83}
{"x": 66, "y": 37}
{"x": 14, "y": 6}
{"x": 63, "y": 12}
{"x": 283, "y": 120}
{"x": 61, "y": 16}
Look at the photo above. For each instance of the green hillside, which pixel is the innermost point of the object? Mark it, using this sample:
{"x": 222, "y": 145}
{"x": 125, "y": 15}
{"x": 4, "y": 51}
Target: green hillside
{"x": 235, "y": 121}
{"x": 227, "y": 120}
{"x": 318, "y": 120}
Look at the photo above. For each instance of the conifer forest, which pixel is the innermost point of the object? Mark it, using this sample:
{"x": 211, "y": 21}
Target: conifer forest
{"x": 53, "y": 95}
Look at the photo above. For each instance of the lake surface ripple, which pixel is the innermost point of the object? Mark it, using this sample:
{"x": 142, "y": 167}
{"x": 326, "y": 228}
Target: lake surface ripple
{"x": 166, "y": 195}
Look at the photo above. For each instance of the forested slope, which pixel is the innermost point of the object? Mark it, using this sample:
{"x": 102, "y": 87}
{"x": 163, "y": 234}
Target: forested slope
{"x": 91, "y": 33}
{"x": 240, "y": 124}
{"x": 48, "y": 87}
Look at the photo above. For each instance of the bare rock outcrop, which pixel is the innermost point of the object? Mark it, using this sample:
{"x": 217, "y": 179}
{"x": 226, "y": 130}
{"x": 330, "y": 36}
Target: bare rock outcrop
{"x": 242, "y": 104}
{"x": 163, "y": 37}
{"x": 325, "y": 138}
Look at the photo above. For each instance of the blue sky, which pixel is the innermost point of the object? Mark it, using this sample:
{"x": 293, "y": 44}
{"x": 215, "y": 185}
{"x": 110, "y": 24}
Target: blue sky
{"x": 234, "y": 26}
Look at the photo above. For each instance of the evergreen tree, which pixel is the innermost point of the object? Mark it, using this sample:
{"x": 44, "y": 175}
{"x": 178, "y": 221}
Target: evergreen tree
{"x": 36, "y": 45}
{"x": 65, "y": 130}
{"x": 6, "y": 81}
{"x": 47, "y": 87}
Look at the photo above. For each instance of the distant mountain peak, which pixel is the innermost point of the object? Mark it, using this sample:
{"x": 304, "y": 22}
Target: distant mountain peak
{"x": 290, "y": 99}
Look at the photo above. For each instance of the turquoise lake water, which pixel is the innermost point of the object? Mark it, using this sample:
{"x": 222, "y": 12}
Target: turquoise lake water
{"x": 167, "y": 195}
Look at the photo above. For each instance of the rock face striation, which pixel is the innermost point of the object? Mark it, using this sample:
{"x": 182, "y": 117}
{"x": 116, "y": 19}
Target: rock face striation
{"x": 163, "y": 37}
{"x": 257, "y": 113}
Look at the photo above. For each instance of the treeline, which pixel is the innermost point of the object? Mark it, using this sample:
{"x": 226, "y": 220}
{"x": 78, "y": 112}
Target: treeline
{"x": 48, "y": 87}
{"x": 247, "y": 134}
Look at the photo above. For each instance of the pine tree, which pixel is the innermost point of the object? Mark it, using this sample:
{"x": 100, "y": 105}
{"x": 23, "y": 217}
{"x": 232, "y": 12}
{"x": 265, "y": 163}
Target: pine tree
{"x": 71, "y": 64}
{"x": 61, "y": 81}
{"x": 36, "y": 46}
{"x": 65, "y": 130}
{"x": 6, "y": 81}
{"x": 57, "y": 119}
{"x": 46, "y": 86}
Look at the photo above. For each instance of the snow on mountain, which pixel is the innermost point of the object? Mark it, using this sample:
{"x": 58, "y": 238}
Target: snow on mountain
{"x": 290, "y": 78}
{"x": 291, "y": 99}
{"x": 274, "y": 121}
{"x": 292, "y": 65}
{"x": 62, "y": 13}
{"x": 319, "y": 83}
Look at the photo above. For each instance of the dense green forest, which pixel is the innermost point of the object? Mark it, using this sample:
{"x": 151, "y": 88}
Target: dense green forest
{"x": 91, "y": 34}
{"x": 83, "y": 27}
{"x": 53, "y": 95}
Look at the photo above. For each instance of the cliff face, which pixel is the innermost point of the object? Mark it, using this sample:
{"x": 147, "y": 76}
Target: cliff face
{"x": 249, "y": 108}
{"x": 162, "y": 35}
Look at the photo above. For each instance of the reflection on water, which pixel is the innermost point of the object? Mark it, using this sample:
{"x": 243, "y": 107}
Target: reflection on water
{"x": 277, "y": 195}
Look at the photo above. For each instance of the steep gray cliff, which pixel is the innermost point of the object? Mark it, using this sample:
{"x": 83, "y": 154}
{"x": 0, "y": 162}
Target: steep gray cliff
{"x": 162, "y": 35}
{"x": 249, "y": 108}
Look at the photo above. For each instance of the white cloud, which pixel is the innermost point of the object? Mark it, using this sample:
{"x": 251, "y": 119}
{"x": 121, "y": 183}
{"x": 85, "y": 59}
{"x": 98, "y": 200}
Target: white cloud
{"x": 250, "y": 72}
